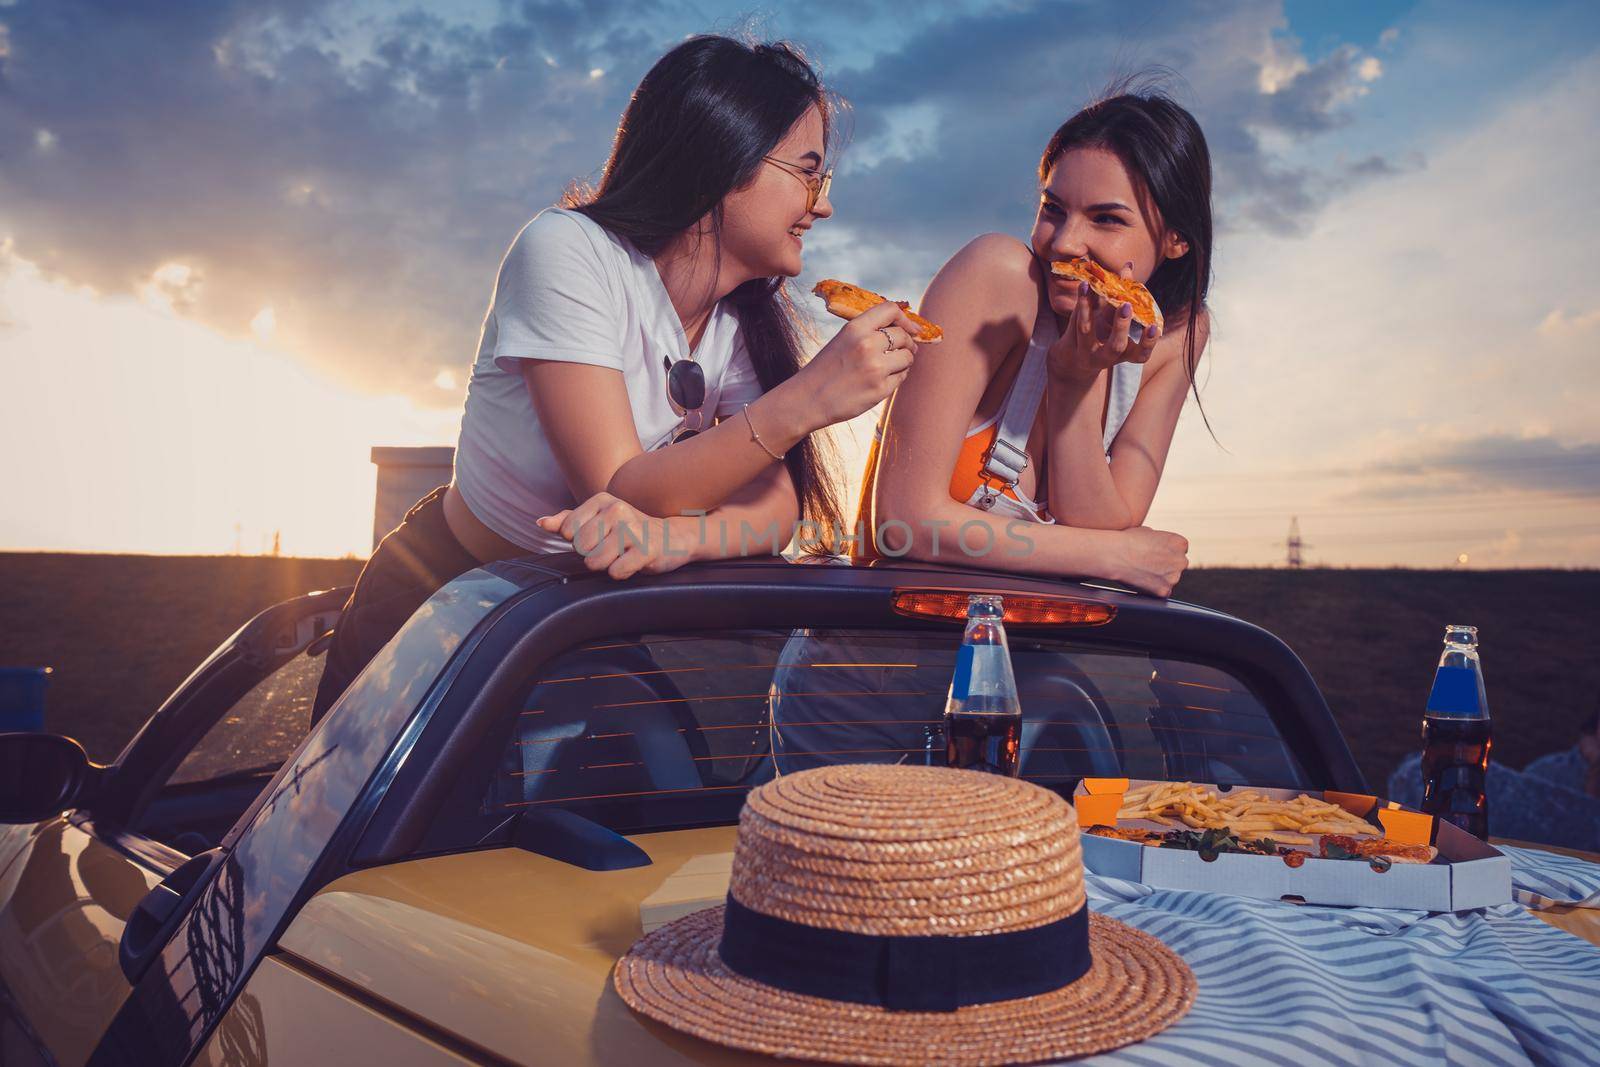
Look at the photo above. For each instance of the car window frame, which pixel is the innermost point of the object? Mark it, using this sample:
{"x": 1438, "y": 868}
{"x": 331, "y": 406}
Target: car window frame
{"x": 278, "y": 854}
{"x": 477, "y": 826}
{"x": 215, "y": 734}
{"x": 261, "y": 646}
{"x": 542, "y": 626}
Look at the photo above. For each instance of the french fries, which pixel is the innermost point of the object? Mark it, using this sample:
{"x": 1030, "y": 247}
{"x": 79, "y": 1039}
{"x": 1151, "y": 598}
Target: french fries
{"x": 1244, "y": 811}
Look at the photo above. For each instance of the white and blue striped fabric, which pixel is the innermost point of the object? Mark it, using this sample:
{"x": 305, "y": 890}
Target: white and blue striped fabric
{"x": 1287, "y": 984}
{"x": 1545, "y": 879}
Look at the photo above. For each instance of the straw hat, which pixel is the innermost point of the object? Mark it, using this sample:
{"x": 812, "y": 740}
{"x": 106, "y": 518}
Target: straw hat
{"x": 890, "y": 914}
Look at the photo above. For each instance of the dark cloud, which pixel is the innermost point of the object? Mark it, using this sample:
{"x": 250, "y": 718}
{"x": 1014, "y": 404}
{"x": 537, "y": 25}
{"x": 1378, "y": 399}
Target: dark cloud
{"x": 1497, "y": 462}
{"x": 1000, "y": 83}
{"x": 361, "y": 179}
{"x": 1310, "y": 101}
{"x": 1374, "y": 167}
{"x": 362, "y": 170}
{"x": 1351, "y": 176}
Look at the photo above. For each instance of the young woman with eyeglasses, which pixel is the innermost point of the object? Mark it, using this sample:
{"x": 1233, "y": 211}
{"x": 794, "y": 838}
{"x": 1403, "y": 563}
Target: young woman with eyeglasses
{"x": 1041, "y": 389}
{"x": 640, "y": 357}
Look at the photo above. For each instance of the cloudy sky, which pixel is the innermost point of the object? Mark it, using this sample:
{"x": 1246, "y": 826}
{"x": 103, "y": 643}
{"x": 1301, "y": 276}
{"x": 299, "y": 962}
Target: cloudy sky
{"x": 242, "y": 242}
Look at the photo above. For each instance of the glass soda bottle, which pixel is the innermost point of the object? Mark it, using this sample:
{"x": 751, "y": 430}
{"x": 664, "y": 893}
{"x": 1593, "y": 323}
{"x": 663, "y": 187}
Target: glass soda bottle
{"x": 982, "y": 716}
{"x": 1456, "y": 737}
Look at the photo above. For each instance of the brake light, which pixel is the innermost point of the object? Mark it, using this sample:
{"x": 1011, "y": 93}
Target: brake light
{"x": 1022, "y": 609}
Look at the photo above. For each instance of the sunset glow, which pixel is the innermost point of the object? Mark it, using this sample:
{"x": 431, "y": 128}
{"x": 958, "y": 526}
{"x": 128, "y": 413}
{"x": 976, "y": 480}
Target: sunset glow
{"x": 149, "y": 432}
{"x": 202, "y": 338}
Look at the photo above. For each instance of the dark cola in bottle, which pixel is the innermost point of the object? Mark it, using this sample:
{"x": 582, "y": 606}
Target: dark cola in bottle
{"x": 982, "y": 716}
{"x": 1456, "y": 737}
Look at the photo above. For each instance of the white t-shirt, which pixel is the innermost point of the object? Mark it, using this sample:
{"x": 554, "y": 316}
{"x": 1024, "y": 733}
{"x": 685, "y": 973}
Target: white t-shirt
{"x": 569, "y": 289}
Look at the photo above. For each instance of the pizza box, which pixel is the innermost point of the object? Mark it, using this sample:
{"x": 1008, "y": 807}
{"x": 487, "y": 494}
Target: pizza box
{"x": 1467, "y": 873}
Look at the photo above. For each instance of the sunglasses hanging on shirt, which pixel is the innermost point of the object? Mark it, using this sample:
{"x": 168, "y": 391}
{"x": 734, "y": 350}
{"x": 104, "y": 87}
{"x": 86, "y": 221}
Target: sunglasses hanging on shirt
{"x": 686, "y": 392}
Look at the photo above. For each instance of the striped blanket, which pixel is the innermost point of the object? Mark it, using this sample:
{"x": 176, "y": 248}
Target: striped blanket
{"x": 1281, "y": 984}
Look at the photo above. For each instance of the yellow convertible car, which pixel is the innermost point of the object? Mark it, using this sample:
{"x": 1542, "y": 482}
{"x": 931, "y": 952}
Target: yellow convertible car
{"x": 542, "y": 764}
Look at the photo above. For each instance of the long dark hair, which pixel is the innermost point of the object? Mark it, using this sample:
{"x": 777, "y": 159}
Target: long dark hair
{"x": 696, "y": 129}
{"x": 1161, "y": 145}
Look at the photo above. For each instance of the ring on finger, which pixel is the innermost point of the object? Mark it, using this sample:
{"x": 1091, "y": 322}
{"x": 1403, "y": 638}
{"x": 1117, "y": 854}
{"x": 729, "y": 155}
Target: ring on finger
{"x": 888, "y": 338}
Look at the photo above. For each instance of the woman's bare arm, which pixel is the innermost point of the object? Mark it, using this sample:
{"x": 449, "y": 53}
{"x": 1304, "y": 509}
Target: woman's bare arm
{"x": 1085, "y": 490}
{"x": 758, "y": 519}
{"x": 588, "y": 421}
{"x": 983, "y": 317}
{"x": 985, "y": 298}
{"x": 587, "y": 418}
{"x": 615, "y": 536}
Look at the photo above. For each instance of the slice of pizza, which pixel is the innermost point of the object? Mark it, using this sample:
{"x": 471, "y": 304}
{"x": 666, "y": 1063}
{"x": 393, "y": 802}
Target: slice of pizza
{"x": 1112, "y": 287}
{"x": 1127, "y": 833}
{"x": 1366, "y": 847}
{"x": 847, "y": 301}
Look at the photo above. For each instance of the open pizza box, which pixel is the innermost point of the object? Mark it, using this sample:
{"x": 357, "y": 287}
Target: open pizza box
{"x": 1467, "y": 873}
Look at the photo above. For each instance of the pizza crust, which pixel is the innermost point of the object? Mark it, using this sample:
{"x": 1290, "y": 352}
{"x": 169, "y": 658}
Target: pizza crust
{"x": 847, "y": 301}
{"x": 1135, "y": 834}
{"x": 1382, "y": 846}
{"x": 1113, "y": 287}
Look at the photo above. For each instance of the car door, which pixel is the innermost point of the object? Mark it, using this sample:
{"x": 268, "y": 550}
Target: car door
{"x": 224, "y": 907}
{"x": 64, "y": 899}
{"x": 71, "y": 884}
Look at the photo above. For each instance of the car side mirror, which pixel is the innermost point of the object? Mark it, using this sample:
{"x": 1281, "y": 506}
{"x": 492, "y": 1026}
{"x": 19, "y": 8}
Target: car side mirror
{"x": 43, "y": 775}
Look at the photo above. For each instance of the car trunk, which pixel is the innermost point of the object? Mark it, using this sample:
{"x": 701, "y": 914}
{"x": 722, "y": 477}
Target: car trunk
{"x": 509, "y": 952}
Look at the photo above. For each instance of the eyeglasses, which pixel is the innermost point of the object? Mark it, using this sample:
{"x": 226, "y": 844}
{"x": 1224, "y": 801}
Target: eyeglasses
{"x": 817, "y": 185}
{"x": 686, "y": 392}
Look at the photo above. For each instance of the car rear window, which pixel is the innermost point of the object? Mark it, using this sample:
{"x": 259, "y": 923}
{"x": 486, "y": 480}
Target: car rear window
{"x": 656, "y": 731}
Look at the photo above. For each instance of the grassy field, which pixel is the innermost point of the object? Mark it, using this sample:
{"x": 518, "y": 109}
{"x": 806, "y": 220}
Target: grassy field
{"x": 123, "y": 631}
{"x": 1371, "y": 639}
